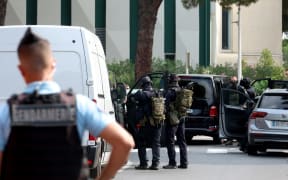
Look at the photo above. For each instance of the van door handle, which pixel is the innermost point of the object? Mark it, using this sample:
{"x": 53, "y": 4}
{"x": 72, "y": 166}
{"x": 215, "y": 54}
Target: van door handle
{"x": 111, "y": 112}
{"x": 101, "y": 96}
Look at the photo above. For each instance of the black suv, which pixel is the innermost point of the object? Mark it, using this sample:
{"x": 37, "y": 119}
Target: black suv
{"x": 203, "y": 116}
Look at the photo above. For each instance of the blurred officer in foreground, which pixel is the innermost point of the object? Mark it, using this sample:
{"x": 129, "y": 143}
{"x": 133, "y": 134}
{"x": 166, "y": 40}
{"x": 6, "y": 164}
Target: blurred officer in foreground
{"x": 175, "y": 124}
{"x": 48, "y": 146}
{"x": 149, "y": 133}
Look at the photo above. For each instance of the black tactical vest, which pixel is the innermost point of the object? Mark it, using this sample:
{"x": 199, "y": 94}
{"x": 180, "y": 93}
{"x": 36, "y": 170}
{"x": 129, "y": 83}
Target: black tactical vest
{"x": 43, "y": 142}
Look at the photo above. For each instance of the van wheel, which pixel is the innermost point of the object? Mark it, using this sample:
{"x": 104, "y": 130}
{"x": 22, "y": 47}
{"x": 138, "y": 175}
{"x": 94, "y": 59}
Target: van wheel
{"x": 188, "y": 138}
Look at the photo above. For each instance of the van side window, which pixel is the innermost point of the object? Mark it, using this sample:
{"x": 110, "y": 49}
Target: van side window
{"x": 96, "y": 71}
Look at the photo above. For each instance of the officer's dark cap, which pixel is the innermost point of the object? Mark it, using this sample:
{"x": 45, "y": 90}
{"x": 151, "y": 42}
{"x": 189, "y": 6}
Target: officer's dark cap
{"x": 146, "y": 80}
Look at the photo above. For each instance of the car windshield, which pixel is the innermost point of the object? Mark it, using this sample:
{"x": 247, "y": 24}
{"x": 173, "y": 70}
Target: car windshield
{"x": 274, "y": 101}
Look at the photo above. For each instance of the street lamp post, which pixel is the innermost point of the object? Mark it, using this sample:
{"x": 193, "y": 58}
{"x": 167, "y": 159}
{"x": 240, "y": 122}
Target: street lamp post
{"x": 239, "y": 72}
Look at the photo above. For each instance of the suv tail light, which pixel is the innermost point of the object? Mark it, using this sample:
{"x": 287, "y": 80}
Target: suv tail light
{"x": 256, "y": 114}
{"x": 89, "y": 162}
{"x": 213, "y": 111}
{"x": 91, "y": 137}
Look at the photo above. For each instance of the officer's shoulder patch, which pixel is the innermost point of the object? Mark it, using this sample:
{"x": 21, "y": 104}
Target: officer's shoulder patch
{"x": 43, "y": 110}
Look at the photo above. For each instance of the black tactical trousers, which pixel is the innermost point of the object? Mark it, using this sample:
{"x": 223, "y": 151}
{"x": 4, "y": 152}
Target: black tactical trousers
{"x": 149, "y": 136}
{"x": 179, "y": 131}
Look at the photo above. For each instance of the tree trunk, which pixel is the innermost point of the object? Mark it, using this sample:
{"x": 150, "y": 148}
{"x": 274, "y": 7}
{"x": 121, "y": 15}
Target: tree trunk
{"x": 3, "y": 5}
{"x": 147, "y": 15}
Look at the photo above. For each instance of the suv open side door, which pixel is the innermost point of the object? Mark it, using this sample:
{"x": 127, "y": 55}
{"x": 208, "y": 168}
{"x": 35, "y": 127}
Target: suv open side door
{"x": 235, "y": 108}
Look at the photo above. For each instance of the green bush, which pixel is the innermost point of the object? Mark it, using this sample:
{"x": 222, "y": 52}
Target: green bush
{"x": 175, "y": 66}
{"x": 266, "y": 67}
{"x": 123, "y": 71}
{"x": 285, "y": 53}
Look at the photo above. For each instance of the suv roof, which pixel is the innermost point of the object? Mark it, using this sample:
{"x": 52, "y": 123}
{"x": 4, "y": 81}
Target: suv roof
{"x": 203, "y": 75}
{"x": 276, "y": 91}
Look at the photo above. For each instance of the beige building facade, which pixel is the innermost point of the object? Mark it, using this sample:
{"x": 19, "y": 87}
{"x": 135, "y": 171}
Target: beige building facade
{"x": 261, "y": 28}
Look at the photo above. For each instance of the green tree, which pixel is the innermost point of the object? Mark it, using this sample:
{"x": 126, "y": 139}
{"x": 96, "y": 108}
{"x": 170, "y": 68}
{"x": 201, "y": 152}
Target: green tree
{"x": 248, "y": 70}
{"x": 285, "y": 53}
{"x": 3, "y": 7}
{"x": 121, "y": 71}
{"x": 147, "y": 16}
{"x": 267, "y": 67}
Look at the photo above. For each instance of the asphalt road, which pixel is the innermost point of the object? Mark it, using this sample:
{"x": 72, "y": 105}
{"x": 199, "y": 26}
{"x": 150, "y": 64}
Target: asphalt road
{"x": 213, "y": 162}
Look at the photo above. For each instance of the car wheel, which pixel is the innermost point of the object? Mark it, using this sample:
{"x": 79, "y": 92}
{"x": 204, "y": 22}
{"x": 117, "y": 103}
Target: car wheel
{"x": 251, "y": 150}
{"x": 188, "y": 138}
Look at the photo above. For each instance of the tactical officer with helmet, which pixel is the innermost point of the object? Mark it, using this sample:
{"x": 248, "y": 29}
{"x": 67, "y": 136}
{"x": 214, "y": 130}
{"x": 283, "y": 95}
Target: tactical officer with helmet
{"x": 41, "y": 129}
{"x": 148, "y": 132}
{"x": 174, "y": 126}
{"x": 246, "y": 83}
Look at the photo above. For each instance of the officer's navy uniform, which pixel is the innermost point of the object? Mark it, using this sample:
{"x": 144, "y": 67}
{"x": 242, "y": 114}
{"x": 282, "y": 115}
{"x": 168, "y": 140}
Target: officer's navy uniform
{"x": 174, "y": 129}
{"x": 147, "y": 134}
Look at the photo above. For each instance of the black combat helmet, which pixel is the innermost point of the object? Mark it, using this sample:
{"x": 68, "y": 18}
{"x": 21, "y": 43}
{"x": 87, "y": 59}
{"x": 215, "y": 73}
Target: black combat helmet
{"x": 190, "y": 85}
{"x": 245, "y": 82}
{"x": 173, "y": 80}
{"x": 146, "y": 80}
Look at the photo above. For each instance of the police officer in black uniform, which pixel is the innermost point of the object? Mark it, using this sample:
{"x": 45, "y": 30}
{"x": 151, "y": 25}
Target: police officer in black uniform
{"x": 245, "y": 82}
{"x": 147, "y": 133}
{"x": 174, "y": 126}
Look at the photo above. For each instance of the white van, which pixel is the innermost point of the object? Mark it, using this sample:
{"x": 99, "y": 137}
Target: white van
{"x": 80, "y": 65}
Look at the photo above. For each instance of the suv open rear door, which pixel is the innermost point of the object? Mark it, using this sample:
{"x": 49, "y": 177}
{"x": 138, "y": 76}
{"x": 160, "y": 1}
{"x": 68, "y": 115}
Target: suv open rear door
{"x": 265, "y": 83}
{"x": 235, "y": 108}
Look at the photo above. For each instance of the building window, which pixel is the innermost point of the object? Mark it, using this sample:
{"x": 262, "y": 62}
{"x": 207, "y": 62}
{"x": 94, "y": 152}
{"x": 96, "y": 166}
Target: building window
{"x": 226, "y": 27}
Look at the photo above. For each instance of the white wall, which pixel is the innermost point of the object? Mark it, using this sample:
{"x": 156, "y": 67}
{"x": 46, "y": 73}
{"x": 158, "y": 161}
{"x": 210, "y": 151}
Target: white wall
{"x": 187, "y": 34}
{"x": 49, "y": 12}
{"x": 16, "y": 12}
{"x": 117, "y": 30}
{"x": 261, "y": 28}
{"x": 82, "y": 13}
{"x": 158, "y": 43}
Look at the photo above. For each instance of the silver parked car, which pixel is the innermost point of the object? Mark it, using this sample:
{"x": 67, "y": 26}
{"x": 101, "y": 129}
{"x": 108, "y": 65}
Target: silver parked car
{"x": 268, "y": 122}
{"x": 256, "y": 126}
